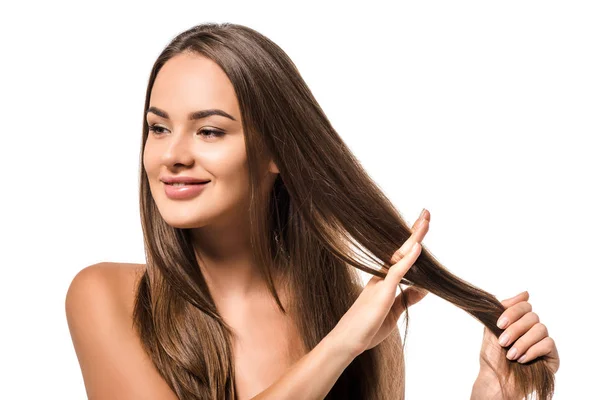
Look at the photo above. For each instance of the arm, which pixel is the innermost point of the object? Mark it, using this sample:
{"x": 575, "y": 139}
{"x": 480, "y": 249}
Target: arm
{"x": 313, "y": 376}
{"x": 486, "y": 388}
{"x": 113, "y": 363}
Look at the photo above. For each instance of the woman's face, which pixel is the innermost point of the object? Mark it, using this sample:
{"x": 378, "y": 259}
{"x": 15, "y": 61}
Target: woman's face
{"x": 209, "y": 148}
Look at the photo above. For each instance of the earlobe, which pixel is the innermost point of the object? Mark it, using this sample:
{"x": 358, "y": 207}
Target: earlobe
{"x": 273, "y": 168}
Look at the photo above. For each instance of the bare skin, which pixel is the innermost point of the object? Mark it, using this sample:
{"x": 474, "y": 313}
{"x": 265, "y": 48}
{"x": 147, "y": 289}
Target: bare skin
{"x": 268, "y": 342}
{"x": 270, "y": 360}
{"x": 179, "y": 147}
{"x": 212, "y": 148}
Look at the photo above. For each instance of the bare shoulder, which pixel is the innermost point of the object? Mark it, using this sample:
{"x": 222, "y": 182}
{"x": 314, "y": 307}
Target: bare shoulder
{"x": 119, "y": 280}
{"x": 99, "y": 306}
{"x": 123, "y": 278}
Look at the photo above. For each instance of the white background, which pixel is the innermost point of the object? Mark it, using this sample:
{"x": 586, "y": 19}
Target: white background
{"x": 485, "y": 113}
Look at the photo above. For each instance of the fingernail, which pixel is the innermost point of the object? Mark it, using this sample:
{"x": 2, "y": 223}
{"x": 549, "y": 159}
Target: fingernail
{"x": 503, "y": 322}
{"x": 523, "y": 357}
{"x": 422, "y": 213}
{"x": 503, "y": 339}
{"x": 512, "y": 353}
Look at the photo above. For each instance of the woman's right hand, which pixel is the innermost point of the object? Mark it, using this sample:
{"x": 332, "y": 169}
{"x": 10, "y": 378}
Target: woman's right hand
{"x": 376, "y": 311}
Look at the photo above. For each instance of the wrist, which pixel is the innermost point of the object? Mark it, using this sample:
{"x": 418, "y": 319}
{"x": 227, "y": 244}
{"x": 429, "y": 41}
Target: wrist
{"x": 338, "y": 346}
{"x": 487, "y": 376}
{"x": 486, "y": 387}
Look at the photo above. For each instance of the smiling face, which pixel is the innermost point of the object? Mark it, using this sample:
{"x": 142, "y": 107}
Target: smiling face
{"x": 209, "y": 147}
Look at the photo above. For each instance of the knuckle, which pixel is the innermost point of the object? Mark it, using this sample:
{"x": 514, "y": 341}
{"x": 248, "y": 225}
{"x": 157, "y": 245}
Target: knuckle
{"x": 534, "y": 317}
{"x": 526, "y": 306}
{"x": 512, "y": 315}
{"x": 539, "y": 327}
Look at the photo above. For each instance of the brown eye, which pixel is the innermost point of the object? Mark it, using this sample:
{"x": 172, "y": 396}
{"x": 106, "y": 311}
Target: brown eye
{"x": 211, "y": 133}
{"x": 208, "y": 133}
{"x": 156, "y": 129}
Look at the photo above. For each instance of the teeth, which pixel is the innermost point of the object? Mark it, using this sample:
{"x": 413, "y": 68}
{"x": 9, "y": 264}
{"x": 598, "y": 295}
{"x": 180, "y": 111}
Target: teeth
{"x": 184, "y": 184}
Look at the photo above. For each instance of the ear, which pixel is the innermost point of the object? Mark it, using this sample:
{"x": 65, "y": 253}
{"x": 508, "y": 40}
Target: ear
{"x": 273, "y": 168}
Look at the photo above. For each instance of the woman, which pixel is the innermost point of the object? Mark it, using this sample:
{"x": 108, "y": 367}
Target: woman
{"x": 255, "y": 217}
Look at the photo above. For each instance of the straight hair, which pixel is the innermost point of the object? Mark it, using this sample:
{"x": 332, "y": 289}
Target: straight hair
{"x": 323, "y": 220}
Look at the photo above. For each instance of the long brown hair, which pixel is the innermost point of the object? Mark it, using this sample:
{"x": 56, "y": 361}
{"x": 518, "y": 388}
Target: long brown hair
{"x": 322, "y": 221}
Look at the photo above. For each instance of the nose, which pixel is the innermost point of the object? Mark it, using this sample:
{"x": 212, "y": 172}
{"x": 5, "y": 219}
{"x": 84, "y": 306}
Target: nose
{"x": 178, "y": 150}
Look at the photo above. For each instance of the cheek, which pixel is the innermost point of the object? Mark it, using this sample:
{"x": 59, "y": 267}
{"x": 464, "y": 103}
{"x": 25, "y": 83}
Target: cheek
{"x": 151, "y": 161}
{"x": 231, "y": 174}
{"x": 145, "y": 161}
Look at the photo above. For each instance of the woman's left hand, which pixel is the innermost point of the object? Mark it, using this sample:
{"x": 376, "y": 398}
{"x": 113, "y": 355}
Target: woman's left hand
{"x": 523, "y": 332}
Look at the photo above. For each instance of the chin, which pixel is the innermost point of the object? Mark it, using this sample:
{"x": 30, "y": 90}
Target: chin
{"x": 184, "y": 225}
{"x": 184, "y": 220}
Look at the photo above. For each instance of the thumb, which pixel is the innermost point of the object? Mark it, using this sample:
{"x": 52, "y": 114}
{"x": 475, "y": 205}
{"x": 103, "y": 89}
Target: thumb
{"x": 415, "y": 295}
{"x": 412, "y": 295}
{"x": 523, "y": 296}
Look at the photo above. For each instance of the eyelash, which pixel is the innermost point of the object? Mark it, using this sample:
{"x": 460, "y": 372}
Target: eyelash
{"x": 212, "y": 132}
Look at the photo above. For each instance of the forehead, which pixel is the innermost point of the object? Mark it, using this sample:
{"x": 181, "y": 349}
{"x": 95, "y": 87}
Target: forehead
{"x": 190, "y": 82}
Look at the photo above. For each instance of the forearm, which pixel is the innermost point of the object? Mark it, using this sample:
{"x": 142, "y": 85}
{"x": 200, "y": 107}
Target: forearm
{"x": 313, "y": 376}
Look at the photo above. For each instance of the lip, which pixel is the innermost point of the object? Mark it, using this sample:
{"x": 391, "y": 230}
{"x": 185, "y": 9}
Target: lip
{"x": 182, "y": 179}
{"x": 184, "y": 192}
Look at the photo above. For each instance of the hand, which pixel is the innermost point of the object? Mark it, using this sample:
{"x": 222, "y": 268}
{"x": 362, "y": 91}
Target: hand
{"x": 525, "y": 334}
{"x": 376, "y": 311}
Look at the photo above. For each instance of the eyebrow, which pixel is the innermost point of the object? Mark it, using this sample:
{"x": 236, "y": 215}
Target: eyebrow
{"x": 192, "y": 116}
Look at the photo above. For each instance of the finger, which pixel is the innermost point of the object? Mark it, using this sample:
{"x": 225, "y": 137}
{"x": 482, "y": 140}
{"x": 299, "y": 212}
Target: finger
{"x": 412, "y": 295}
{"x": 398, "y": 270}
{"x": 424, "y": 215}
{"x": 531, "y": 337}
{"x": 417, "y": 236}
{"x": 523, "y": 296}
{"x": 541, "y": 348}
{"x": 374, "y": 279}
{"x": 518, "y": 329}
{"x": 513, "y": 313}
